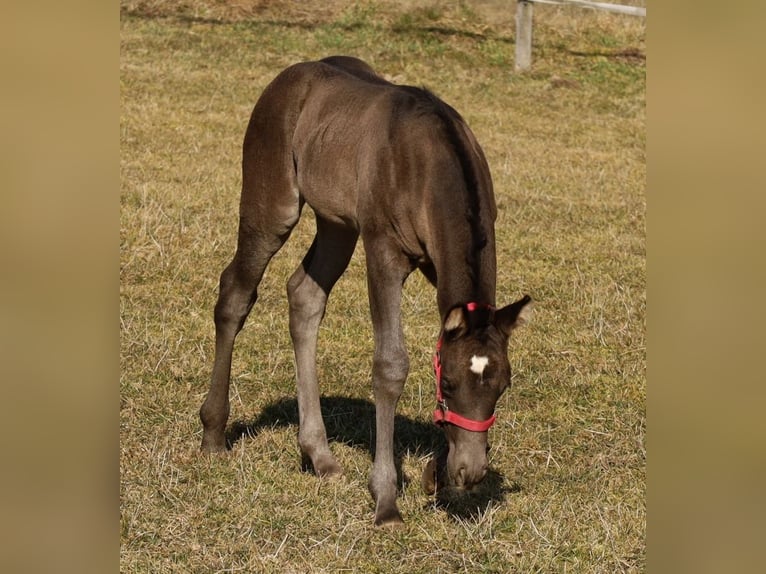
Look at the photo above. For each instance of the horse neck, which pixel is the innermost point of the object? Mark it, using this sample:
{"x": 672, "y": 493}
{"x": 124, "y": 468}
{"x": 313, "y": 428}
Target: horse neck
{"x": 461, "y": 216}
{"x": 466, "y": 270}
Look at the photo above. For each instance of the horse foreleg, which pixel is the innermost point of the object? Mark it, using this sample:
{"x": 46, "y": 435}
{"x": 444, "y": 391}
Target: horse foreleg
{"x": 387, "y": 269}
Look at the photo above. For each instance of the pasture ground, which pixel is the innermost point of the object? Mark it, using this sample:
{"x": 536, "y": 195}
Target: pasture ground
{"x": 566, "y": 147}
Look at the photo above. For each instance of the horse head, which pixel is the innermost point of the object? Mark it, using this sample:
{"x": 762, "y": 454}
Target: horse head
{"x": 472, "y": 372}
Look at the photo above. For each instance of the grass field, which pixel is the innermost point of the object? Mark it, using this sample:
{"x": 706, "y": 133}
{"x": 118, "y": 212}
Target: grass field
{"x": 566, "y": 147}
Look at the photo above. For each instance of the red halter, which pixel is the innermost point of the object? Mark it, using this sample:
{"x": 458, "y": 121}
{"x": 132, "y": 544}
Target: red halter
{"x": 442, "y": 414}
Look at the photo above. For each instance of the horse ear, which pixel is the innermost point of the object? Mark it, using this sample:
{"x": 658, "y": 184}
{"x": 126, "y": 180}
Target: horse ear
{"x": 455, "y": 323}
{"x": 514, "y": 315}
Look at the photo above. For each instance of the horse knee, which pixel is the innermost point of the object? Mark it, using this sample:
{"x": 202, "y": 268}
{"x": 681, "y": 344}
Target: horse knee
{"x": 389, "y": 372}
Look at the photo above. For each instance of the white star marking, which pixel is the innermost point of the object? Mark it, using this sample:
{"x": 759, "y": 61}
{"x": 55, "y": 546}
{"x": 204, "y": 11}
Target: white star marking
{"x": 478, "y": 364}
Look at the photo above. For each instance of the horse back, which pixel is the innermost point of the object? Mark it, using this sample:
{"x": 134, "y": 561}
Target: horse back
{"x": 361, "y": 150}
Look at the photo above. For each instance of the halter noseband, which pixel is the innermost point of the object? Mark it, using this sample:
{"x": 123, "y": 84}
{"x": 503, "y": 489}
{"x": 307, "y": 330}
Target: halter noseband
{"x": 442, "y": 414}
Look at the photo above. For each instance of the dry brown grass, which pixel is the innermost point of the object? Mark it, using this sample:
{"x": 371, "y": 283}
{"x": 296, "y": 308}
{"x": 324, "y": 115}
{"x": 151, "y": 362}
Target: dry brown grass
{"x": 566, "y": 146}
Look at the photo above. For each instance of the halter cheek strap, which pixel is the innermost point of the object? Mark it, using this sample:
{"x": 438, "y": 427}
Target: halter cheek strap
{"x": 442, "y": 414}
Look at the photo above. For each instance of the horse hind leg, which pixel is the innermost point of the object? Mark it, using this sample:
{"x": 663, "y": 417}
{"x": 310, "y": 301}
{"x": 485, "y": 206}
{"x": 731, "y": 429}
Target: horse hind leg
{"x": 308, "y": 290}
{"x": 270, "y": 206}
{"x": 237, "y": 294}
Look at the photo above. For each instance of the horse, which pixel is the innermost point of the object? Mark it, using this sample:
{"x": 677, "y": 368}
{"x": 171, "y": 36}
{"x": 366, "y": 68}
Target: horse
{"x": 400, "y": 167}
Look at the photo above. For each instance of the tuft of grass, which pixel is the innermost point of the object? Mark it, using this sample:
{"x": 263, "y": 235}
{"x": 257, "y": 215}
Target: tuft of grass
{"x": 566, "y": 147}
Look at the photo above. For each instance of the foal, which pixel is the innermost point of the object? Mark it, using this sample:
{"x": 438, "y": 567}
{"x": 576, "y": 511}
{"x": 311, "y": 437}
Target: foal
{"x": 400, "y": 167}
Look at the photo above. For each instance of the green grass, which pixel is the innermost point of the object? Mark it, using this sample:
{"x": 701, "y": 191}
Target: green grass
{"x": 566, "y": 147}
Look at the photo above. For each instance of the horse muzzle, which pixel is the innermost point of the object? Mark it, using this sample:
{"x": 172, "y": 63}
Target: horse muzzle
{"x": 466, "y": 467}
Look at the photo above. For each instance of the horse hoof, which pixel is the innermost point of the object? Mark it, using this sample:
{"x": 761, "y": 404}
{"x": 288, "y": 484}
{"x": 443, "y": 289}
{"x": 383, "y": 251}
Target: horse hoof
{"x": 389, "y": 519}
{"x": 429, "y": 477}
{"x": 327, "y": 467}
{"x": 210, "y": 446}
{"x": 330, "y": 473}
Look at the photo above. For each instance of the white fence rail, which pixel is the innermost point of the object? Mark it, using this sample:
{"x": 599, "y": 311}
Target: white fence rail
{"x": 524, "y": 23}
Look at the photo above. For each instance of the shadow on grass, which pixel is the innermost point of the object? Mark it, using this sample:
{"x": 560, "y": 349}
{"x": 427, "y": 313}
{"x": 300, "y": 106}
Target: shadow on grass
{"x": 351, "y": 421}
{"x": 471, "y": 505}
{"x": 628, "y": 55}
